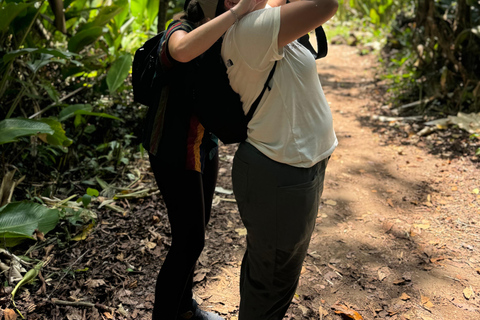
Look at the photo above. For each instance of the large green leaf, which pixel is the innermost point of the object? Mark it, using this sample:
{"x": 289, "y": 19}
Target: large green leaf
{"x": 82, "y": 109}
{"x": 69, "y": 112}
{"x": 58, "y": 138}
{"x": 9, "y": 11}
{"x": 53, "y": 52}
{"x": 96, "y": 114}
{"x": 12, "y": 129}
{"x": 103, "y": 17}
{"x": 19, "y": 220}
{"x": 138, "y": 7}
{"x": 107, "y": 14}
{"x": 85, "y": 38}
{"x": 152, "y": 13}
{"x": 119, "y": 72}
{"x": 121, "y": 17}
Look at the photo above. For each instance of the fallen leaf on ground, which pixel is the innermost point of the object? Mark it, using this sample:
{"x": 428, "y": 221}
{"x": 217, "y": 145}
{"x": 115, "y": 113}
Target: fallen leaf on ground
{"x": 9, "y": 314}
{"x": 199, "y": 277}
{"x": 405, "y": 296}
{"x": 150, "y": 245}
{"x": 331, "y": 202}
{"x": 468, "y": 293}
{"x": 93, "y": 283}
{"x": 426, "y": 302}
{"x": 344, "y": 310}
{"x": 322, "y": 312}
{"x": 435, "y": 260}
{"x": 390, "y": 202}
{"x": 222, "y": 190}
{"x": 241, "y": 231}
{"x": 84, "y": 234}
{"x": 383, "y": 273}
{"x": 424, "y": 225}
{"x": 476, "y": 191}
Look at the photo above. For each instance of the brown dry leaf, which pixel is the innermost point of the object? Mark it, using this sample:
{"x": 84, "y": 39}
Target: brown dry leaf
{"x": 322, "y": 312}
{"x": 468, "y": 293}
{"x": 436, "y": 259}
{"x": 390, "y": 202}
{"x": 424, "y": 225}
{"x": 387, "y": 226}
{"x": 151, "y": 245}
{"x": 426, "y": 302}
{"x": 9, "y": 314}
{"x": 404, "y": 297}
{"x": 241, "y": 231}
{"x": 331, "y": 202}
{"x": 199, "y": 277}
{"x": 93, "y": 283}
{"x": 383, "y": 273}
{"x": 108, "y": 315}
{"x": 40, "y": 236}
{"x": 344, "y": 310}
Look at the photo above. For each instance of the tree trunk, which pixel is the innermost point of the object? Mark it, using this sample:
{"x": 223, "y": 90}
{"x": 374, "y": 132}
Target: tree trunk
{"x": 162, "y": 15}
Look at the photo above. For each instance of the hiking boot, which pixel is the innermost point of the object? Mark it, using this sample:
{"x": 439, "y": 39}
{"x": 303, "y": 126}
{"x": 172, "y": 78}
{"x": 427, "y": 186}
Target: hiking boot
{"x": 197, "y": 314}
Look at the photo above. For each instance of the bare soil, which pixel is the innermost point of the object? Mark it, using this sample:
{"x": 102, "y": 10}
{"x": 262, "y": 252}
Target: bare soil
{"x": 397, "y": 234}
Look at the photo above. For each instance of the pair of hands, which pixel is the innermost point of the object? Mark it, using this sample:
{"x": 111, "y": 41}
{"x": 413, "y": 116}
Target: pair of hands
{"x": 242, "y": 7}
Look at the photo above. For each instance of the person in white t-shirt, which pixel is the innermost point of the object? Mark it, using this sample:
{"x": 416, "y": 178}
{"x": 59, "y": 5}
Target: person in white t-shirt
{"x": 278, "y": 172}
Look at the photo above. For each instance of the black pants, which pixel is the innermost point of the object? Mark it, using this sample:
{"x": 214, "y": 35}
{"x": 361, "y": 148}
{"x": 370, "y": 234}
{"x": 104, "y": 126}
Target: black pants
{"x": 278, "y": 205}
{"x": 188, "y": 197}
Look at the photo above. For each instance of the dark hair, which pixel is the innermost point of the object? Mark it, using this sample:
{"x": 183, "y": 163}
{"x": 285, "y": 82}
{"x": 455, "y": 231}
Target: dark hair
{"x": 193, "y": 11}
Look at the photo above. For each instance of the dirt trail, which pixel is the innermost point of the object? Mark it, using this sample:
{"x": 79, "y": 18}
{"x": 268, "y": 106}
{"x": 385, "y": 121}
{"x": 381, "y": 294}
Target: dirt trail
{"x": 397, "y": 234}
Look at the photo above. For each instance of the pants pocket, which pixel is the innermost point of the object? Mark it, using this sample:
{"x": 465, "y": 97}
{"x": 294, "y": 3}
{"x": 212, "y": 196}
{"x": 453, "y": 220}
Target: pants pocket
{"x": 297, "y": 208}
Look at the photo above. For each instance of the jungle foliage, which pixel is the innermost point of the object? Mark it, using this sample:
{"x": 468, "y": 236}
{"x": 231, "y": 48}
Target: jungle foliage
{"x": 66, "y": 111}
{"x": 432, "y": 55}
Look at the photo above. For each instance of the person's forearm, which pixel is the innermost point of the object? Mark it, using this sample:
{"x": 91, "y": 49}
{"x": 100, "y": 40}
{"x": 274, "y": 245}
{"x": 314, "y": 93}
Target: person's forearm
{"x": 199, "y": 40}
{"x": 276, "y": 3}
{"x": 188, "y": 46}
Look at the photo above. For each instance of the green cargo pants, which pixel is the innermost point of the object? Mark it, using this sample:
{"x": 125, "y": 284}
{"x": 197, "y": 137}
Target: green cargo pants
{"x": 278, "y": 204}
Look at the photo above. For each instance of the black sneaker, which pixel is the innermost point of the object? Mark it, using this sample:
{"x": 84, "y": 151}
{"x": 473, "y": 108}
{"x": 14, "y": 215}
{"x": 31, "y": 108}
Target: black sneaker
{"x": 197, "y": 314}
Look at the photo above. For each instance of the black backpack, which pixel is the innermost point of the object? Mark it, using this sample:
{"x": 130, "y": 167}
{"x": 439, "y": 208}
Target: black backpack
{"x": 146, "y": 72}
{"x": 217, "y": 106}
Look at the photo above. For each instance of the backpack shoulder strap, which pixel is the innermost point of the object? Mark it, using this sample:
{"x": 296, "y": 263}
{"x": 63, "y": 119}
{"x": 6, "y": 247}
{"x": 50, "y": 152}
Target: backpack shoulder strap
{"x": 265, "y": 86}
{"x": 322, "y": 45}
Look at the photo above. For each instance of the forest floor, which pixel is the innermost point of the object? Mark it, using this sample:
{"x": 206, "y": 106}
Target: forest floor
{"x": 397, "y": 234}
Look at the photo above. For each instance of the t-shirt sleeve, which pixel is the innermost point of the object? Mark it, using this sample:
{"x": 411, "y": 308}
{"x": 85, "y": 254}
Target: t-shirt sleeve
{"x": 165, "y": 58}
{"x": 256, "y": 38}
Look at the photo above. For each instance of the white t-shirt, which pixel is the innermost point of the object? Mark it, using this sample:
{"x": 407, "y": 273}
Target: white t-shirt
{"x": 293, "y": 122}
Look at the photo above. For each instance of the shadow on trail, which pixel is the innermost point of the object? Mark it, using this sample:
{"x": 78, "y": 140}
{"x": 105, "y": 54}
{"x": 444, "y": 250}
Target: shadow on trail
{"x": 449, "y": 144}
{"x": 365, "y": 248}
